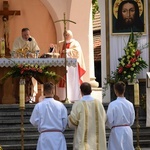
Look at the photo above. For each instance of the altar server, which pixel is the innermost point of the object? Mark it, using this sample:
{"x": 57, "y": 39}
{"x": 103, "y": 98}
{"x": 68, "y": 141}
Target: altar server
{"x": 50, "y": 117}
{"x": 120, "y": 116}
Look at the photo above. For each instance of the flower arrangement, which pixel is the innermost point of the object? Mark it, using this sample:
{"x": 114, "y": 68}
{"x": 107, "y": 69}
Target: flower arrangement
{"x": 28, "y": 70}
{"x": 130, "y": 64}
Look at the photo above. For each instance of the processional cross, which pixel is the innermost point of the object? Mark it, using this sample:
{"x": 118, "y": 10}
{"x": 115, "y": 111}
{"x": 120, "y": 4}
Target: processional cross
{"x": 5, "y": 17}
{"x": 64, "y": 20}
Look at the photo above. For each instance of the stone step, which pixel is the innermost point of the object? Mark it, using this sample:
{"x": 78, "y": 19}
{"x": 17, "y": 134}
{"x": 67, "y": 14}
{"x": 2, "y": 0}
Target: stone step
{"x": 10, "y": 134}
{"x": 29, "y": 147}
{"x": 13, "y": 139}
{"x": 32, "y": 146}
{"x": 18, "y": 147}
{"x": 33, "y": 131}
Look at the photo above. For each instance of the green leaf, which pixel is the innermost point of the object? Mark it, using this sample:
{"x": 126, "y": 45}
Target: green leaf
{"x": 131, "y": 37}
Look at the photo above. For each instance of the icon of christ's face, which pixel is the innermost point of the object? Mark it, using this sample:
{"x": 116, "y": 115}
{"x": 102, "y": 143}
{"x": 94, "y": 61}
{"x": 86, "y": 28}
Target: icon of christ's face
{"x": 128, "y": 13}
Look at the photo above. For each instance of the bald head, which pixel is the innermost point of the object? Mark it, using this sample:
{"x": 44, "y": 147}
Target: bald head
{"x": 68, "y": 35}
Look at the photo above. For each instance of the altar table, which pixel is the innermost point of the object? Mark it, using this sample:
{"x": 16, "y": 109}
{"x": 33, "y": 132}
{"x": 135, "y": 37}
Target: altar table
{"x": 7, "y": 95}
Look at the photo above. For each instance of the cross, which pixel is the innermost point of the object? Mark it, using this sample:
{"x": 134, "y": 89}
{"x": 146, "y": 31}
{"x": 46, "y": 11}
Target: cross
{"x": 6, "y": 13}
{"x": 65, "y": 22}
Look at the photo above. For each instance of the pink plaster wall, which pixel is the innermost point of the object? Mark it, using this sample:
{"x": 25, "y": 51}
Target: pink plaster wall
{"x": 35, "y": 16}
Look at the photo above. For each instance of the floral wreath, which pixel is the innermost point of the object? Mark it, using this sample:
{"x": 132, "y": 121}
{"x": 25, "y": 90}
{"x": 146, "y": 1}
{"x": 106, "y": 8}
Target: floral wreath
{"x": 28, "y": 70}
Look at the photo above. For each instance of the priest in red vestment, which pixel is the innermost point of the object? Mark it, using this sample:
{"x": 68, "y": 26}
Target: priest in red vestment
{"x": 74, "y": 74}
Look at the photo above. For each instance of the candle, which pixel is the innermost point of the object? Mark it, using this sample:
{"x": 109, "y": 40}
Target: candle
{"x": 2, "y": 47}
{"x": 22, "y": 94}
{"x": 136, "y": 93}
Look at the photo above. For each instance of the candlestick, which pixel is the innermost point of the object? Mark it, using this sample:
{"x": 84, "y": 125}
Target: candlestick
{"x": 22, "y": 107}
{"x": 137, "y": 103}
{"x": 2, "y": 47}
{"x": 136, "y": 93}
{"x": 1, "y": 148}
{"x": 22, "y": 93}
{"x": 137, "y": 128}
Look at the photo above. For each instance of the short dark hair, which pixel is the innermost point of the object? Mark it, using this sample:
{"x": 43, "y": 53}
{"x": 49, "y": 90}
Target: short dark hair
{"x": 120, "y": 87}
{"x": 85, "y": 88}
{"x": 25, "y": 29}
{"x": 48, "y": 87}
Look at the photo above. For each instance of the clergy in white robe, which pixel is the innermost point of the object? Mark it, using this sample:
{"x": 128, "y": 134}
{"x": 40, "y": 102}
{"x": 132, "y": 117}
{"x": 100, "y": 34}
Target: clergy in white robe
{"x": 88, "y": 118}
{"x": 26, "y": 41}
{"x": 74, "y": 74}
{"x": 50, "y": 118}
{"x": 120, "y": 118}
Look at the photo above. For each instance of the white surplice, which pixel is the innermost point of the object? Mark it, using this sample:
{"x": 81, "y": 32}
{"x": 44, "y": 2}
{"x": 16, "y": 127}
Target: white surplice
{"x": 121, "y": 114}
{"x": 50, "y": 114}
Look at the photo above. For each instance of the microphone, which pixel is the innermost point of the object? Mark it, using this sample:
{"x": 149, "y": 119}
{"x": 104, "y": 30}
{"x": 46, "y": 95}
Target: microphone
{"x": 30, "y": 39}
{"x": 51, "y": 49}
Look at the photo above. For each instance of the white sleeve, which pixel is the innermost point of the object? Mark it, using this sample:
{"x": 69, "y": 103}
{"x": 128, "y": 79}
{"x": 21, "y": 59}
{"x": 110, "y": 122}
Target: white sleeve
{"x": 34, "y": 119}
{"x": 132, "y": 115}
{"x": 15, "y": 45}
{"x": 110, "y": 117}
{"x": 64, "y": 117}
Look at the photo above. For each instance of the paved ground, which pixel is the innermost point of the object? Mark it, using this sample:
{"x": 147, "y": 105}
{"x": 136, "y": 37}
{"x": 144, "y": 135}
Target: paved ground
{"x": 145, "y": 148}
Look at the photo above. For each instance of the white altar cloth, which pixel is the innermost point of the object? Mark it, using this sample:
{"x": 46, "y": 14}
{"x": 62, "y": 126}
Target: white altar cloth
{"x": 10, "y": 62}
{"x": 50, "y": 62}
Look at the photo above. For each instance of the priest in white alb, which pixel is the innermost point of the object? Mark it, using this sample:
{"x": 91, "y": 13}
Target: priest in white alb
{"x": 27, "y": 43}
